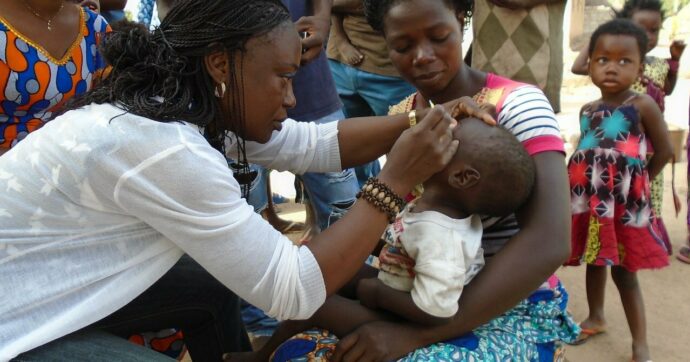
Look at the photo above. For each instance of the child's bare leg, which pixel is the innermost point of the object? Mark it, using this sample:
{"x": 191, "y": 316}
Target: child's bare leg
{"x": 338, "y": 315}
{"x": 596, "y": 288}
{"x": 633, "y": 304}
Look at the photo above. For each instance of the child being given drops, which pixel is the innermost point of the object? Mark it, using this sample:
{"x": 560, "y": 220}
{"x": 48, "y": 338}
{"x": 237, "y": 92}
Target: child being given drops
{"x": 433, "y": 248}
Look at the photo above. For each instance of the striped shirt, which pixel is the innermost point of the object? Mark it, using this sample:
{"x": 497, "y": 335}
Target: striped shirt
{"x": 528, "y": 115}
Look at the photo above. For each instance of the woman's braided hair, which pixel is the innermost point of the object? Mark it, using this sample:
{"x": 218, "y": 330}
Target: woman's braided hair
{"x": 161, "y": 74}
{"x": 376, "y": 10}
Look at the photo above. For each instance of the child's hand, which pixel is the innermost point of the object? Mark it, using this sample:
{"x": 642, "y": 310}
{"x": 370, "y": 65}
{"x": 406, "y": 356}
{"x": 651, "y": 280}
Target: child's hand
{"x": 367, "y": 291}
{"x": 677, "y": 48}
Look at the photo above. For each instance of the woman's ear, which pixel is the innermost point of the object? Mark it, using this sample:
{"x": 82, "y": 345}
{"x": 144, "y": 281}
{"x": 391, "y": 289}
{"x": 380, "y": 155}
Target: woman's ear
{"x": 464, "y": 177}
{"x": 217, "y": 66}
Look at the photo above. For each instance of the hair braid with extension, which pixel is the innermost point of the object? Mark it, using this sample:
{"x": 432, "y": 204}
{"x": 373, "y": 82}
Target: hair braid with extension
{"x": 161, "y": 74}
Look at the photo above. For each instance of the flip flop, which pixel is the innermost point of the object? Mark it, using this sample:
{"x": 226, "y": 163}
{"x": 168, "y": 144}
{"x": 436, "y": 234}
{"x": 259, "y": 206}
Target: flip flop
{"x": 586, "y": 334}
{"x": 684, "y": 254}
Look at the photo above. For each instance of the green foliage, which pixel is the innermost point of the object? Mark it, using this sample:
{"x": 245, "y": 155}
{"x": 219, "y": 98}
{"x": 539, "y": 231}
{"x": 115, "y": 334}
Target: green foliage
{"x": 670, "y": 5}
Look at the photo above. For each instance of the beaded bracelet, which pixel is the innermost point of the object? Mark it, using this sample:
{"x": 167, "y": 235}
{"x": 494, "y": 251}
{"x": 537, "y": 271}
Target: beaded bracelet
{"x": 673, "y": 65}
{"x": 381, "y": 196}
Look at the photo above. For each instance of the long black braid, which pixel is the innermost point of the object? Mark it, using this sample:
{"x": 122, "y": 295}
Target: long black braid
{"x": 161, "y": 74}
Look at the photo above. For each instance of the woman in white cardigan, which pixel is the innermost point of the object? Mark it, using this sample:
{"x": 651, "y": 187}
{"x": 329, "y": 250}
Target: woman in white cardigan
{"x": 99, "y": 206}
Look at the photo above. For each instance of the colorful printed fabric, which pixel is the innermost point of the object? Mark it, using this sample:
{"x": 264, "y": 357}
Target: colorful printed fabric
{"x": 613, "y": 221}
{"x": 145, "y": 13}
{"x": 34, "y": 84}
{"x": 314, "y": 346}
{"x": 169, "y": 342}
{"x": 532, "y": 331}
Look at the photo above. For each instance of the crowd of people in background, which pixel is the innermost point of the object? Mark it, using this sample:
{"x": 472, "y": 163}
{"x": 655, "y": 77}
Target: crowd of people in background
{"x": 135, "y": 164}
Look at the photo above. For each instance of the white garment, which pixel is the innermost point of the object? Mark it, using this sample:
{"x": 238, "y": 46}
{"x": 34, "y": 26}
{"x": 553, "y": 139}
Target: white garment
{"x": 95, "y": 208}
{"x": 447, "y": 253}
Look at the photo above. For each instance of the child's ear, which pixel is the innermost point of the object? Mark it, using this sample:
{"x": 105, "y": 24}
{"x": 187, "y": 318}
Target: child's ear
{"x": 464, "y": 177}
{"x": 640, "y": 71}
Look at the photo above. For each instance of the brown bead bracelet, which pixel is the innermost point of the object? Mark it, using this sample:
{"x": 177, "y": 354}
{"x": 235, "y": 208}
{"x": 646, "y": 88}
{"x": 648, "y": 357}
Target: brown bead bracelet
{"x": 381, "y": 196}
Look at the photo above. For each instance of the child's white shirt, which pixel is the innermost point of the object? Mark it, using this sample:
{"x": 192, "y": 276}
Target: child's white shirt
{"x": 447, "y": 254}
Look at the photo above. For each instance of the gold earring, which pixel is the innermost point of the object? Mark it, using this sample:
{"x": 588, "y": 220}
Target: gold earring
{"x": 220, "y": 94}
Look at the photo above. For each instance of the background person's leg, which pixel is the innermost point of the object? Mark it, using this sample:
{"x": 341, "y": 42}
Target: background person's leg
{"x": 331, "y": 193}
{"x": 89, "y": 346}
{"x": 354, "y": 105}
{"x": 191, "y": 299}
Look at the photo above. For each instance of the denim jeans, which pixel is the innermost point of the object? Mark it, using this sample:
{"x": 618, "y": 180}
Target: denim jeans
{"x": 367, "y": 94}
{"x": 92, "y": 345}
{"x": 186, "y": 297}
{"x": 331, "y": 193}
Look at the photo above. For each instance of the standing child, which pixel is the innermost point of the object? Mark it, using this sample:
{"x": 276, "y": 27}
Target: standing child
{"x": 657, "y": 80}
{"x": 613, "y": 220}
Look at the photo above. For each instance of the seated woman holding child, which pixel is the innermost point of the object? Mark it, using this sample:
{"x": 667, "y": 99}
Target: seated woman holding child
{"x": 520, "y": 317}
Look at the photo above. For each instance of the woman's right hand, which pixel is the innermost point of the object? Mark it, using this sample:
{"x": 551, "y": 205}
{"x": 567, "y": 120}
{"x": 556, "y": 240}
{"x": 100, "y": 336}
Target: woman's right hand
{"x": 420, "y": 151}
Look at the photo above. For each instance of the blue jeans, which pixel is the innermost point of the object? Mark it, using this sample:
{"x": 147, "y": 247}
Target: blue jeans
{"x": 331, "y": 193}
{"x": 367, "y": 94}
{"x": 92, "y": 345}
{"x": 186, "y": 297}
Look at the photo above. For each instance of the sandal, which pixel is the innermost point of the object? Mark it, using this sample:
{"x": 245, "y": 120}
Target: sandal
{"x": 586, "y": 334}
{"x": 684, "y": 254}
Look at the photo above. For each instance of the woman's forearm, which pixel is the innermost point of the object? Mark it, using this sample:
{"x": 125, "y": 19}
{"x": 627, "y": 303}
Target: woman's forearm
{"x": 526, "y": 261}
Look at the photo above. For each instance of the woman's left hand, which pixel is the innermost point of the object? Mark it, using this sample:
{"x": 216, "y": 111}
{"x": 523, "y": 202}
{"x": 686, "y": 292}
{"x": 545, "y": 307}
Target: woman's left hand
{"x": 466, "y": 107}
{"x": 463, "y": 107}
{"x": 377, "y": 341}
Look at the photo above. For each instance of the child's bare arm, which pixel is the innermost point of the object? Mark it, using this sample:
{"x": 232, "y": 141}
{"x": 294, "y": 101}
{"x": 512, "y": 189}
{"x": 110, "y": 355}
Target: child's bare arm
{"x": 581, "y": 63}
{"x": 374, "y": 294}
{"x": 677, "y": 48}
{"x": 338, "y": 315}
{"x": 655, "y": 129}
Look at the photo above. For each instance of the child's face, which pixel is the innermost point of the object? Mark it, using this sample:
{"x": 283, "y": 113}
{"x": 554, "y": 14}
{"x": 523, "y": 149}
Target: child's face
{"x": 650, "y": 22}
{"x": 615, "y": 63}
